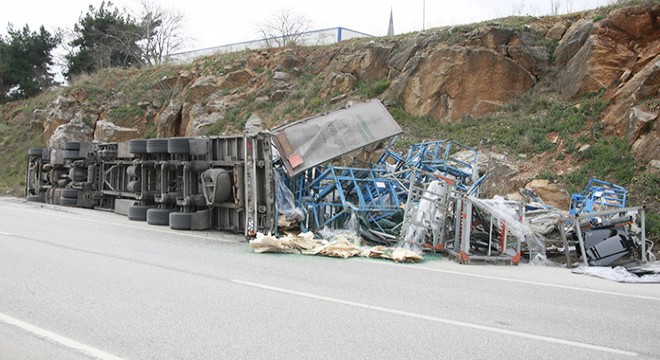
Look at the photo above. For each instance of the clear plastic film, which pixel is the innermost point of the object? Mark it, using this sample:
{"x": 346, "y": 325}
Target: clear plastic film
{"x": 285, "y": 201}
{"x": 504, "y": 211}
{"x": 423, "y": 218}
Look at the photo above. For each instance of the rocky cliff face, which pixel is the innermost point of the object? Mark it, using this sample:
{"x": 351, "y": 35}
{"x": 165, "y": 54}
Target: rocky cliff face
{"x": 445, "y": 74}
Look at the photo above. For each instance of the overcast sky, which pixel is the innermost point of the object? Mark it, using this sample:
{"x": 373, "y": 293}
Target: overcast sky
{"x": 219, "y": 22}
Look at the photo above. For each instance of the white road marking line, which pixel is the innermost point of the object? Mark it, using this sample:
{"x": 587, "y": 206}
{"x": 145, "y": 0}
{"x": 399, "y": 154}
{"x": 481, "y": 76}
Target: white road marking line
{"x": 441, "y": 320}
{"x": 4, "y": 233}
{"x": 62, "y": 340}
{"x": 130, "y": 226}
{"x": 526, "y": 282}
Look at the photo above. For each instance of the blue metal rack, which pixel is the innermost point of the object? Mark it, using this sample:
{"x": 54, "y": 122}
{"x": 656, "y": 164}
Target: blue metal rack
{"x": 598, "y": 195}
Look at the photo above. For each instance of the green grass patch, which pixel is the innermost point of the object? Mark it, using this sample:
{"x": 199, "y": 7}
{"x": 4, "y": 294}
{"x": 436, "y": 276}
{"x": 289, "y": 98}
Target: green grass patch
{"x": 374, "y": 88}
{"x": 608, "y": 159}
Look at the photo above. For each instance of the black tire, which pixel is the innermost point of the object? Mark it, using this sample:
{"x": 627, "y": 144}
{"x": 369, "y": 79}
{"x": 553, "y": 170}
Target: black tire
{"x": 157, "y": 146}
{"x": 71, "y": 154}
{"x": 178, "y": 145}
{"x": 45, "y": 155}
{"x": 36, "y": 151}
{"x": 133, "y": 186}
{"x": 70, "y": 193}
{"x": 138, "y": 212}
{"x": 68, "y": 202}
{"x": 33, "y": 198}
{"x": 137, "y": 146}
{"x": 180, "y": 221}
{"x": 159, "y": 216}
{"x": 72, "y": 145}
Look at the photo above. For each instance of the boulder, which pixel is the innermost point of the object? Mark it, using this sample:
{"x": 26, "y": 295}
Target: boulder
{"x": 406, "y": 49}
{"x": 556, "y": 32}
{"x": 200, "y": 124}
{"x": 625, "y": 116}
{"x": 637, "y": 22}
{"x": 572, "y": 41}
{"x": 551, "y": 194}
{"x": 534, "y": 59}
{"x": 639, "y": 123}
{"x": 647, "y": 145}
{"x": 201, "y": 88}
{"x": 494, "y": 37}
{"x": 454, "y": 82}
{"x": 289, "y": 60}
{"x": 338, "y": 83}
{"x": 106, "y": 131}
{"x": 320, "y": 60}
{"x": 501, "y": 172}
{"x": 72, "y": 131}
{"x": 282, "y": 80}
{"x": 369, "y": 63}
{"x": 235, "y": 79}
{"x": 169, "y": 120}
{"x": 60, "y": 111}
{"x": 597, "y": 65}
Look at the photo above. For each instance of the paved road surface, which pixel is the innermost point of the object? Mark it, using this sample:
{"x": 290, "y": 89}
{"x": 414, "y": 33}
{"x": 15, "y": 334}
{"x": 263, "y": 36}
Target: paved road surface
{"x": 80, "y": 284}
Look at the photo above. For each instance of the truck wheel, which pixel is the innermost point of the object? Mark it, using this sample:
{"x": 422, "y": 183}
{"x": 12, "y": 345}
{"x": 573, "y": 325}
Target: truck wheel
{"x": 159, "y": 216}
{"x": 178, "y": 145}
{"x": 45, "y": 155}
{"x": 36, "y": 151}
{"x": 180, "y": 221}
{"x": 137, "y": 146}
{"x": 68, "y": 202}
{"x": 71, "y": 154}
{"x": 138, "y": 212}
{"x": 157, "y": 146}
{"x": 72, "y": 145}
{"x": 70, "y": 193}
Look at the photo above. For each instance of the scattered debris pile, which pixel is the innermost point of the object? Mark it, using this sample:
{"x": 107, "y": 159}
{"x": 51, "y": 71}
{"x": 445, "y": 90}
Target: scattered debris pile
{"x": 603, "y": 228}
{"x": 341, "y": 245}
{"x": 428, "y": 199}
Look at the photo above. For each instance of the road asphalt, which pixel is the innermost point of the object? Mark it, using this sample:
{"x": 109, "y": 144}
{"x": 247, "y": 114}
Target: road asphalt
{"x": 80, "y": 284}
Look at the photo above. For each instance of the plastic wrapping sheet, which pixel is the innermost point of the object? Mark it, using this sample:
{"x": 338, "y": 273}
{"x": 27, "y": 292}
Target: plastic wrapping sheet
{"x": 543, "y": 221}
{"x": 424, "y": 218}
{"x": 499, "y": 208}
{"x": 285, "y": 201}
{"x": 349, "y": 233}
{"x": 619, "y": 274}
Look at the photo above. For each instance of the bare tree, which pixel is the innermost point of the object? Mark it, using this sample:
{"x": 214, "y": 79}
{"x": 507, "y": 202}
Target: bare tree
{"x": 162, "y": 29}
{"x": 554, "y": 7}
{"x": 284, "y": 28}
{"x": 569, "y": 6}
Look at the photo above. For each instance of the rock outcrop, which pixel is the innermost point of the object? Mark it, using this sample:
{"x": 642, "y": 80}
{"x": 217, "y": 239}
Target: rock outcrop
{"x": 452, "y": 82}
{"x": 445, "y": 74}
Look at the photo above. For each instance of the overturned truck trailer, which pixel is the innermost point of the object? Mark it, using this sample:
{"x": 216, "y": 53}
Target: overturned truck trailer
{"x": 221, "y": 182}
